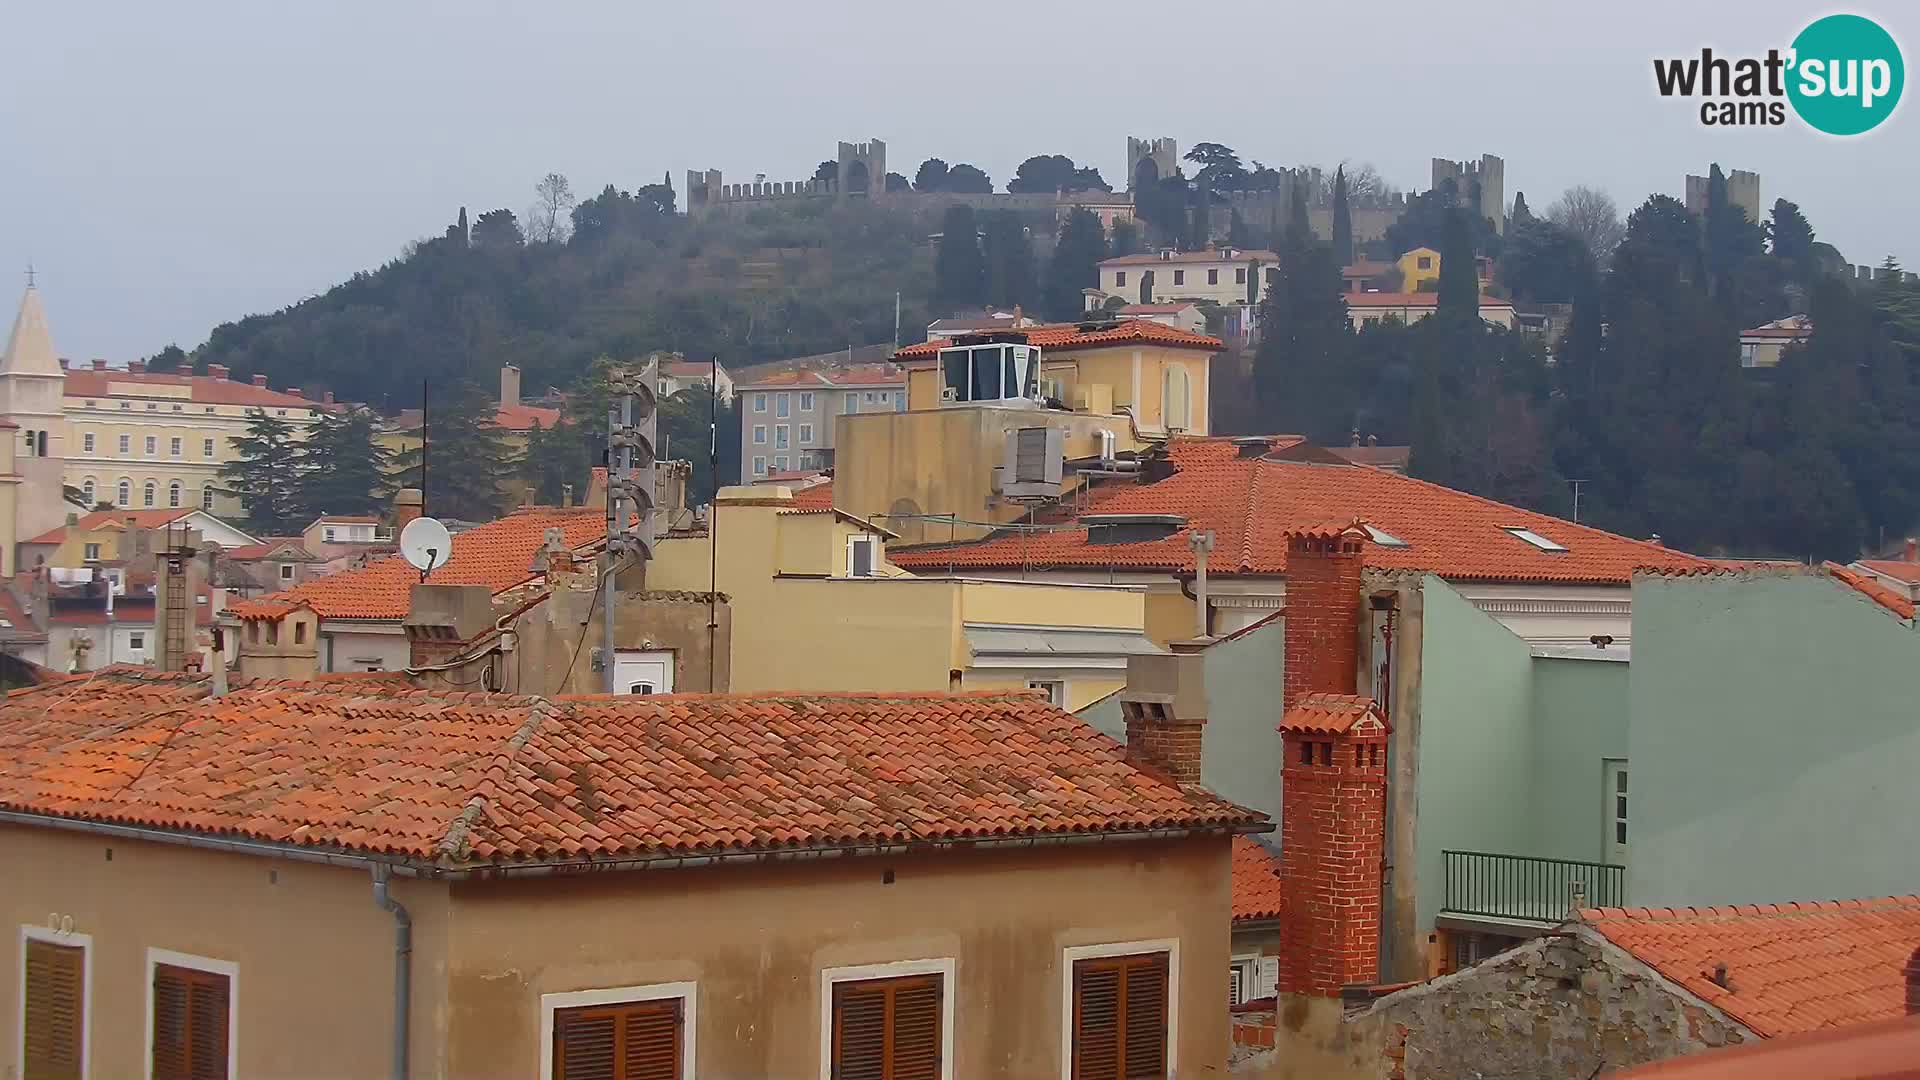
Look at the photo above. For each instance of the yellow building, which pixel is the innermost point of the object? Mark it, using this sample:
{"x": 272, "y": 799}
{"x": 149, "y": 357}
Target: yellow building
{"x": 937, "y": 470}
{"x": 1417, "y": 267}
{"x": 816, "y": 606}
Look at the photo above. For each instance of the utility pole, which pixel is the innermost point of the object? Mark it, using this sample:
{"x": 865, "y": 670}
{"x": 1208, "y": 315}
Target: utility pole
{"x": 630, "y": 478}
{"x": 1576, "y": 496}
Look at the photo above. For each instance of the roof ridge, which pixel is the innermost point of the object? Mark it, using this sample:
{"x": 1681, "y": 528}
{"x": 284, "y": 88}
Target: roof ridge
{"x": 457, "y": 840}
{"x": 1782, "y": 909}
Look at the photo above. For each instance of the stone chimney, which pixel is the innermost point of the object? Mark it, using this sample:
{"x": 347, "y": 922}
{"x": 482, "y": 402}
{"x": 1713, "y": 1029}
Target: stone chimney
{"x": 218, "y": 371}
{"x": 136, "y": 367}
{"x": 259, "y": 380}
{"x": 443, "y": 620}
{"x": 509, "y": 386}
{"x": 1323, "y": 612}
{"x": 407, "y": 505}
{"x": 1165, "y": 704}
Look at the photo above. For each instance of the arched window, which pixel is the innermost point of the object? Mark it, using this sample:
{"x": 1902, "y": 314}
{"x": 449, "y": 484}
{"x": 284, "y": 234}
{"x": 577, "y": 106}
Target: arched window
{"x": 1175, "y": 401}
{"x": 147, "y": 493}
{"x": 126, "y": 493}
{"x": 86, "y": 489}
{"x": 206, "y": 497}
{"x": 173, "y": 493}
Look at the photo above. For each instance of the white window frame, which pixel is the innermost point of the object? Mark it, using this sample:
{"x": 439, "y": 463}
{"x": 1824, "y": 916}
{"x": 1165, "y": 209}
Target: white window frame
{"x": 126, "y": 444}
{"x": 872, "y": 542}
{"x": 1057, "y": 699}
{"x": 206, "y": 497}
{"x": 1534, "y": 540}
{"x": 805, "y": 435}
{"x": 286, "y": 571}
{"x": 176, "y": 447}
{"x": 942, "y": 966}
{"x": 30, "y": 932}
{"x": 759, "y": 402}
{"x": 1170, "y": 946}
{"x": 849, "y": 403}
{"x": 206, "y": 448}
{"x": 153, "y": 446}
{"x": 781, "y": 439}
{"x": 782, "y": 405}
{"x": 779, "y": 463}
{"x": 687, "y": 992}
{"x": 156, "y": 957}
{"x": 86, "y": 442}
{"x": 759, "y": 466}
{"x": 806, "y": 401}
{"x": 759, "y": 434}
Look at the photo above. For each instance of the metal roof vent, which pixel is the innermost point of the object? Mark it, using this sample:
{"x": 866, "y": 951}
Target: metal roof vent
{"x": 1131, "y": 528}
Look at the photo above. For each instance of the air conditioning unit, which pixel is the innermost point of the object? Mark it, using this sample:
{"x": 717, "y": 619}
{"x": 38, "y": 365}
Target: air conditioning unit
{"x": 1035, "y": 461}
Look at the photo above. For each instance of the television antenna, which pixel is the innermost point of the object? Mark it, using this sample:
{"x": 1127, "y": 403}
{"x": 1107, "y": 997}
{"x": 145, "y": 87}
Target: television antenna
{"x": 426, "y": 545}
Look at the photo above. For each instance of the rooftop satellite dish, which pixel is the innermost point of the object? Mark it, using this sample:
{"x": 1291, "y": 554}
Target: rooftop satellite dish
{"x": 426, "y": 545}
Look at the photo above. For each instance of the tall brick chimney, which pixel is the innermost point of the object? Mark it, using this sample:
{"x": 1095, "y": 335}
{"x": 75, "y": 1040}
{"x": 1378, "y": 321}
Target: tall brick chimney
{"x": 1323, "y": 612}
{"x": 1165, "y": 704}
{"x": 1333, "y": 777}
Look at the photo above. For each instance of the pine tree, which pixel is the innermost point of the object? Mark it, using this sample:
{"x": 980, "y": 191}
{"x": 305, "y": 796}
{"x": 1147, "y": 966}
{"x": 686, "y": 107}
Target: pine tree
{"x": 467, "y": 457}
{"x": 1011, "y": 278}
{"x": 1520, "y": 215}
{"x": 1075, "y": 264}
{"x": 1342, "y": 220}
{"x": 342, "y": 467}
{"x": 1459, "y": 280}
{"x": 959, "y": 269}
{"x": 265, "y": 473}
{"x": 1790, "y": 236}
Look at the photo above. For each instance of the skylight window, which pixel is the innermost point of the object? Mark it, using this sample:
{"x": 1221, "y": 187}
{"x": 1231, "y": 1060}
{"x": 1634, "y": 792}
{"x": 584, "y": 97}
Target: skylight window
{"x": 1537, "y": 540}
{"x": 1384, "y": 539}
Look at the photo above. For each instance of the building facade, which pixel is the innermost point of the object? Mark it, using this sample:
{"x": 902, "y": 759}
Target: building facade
{"x": 1224, "y": 276}
{"x": 787, "y": 420}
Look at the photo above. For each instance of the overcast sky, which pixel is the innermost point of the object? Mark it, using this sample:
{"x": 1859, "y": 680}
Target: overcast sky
{"x": 168, "y": 167}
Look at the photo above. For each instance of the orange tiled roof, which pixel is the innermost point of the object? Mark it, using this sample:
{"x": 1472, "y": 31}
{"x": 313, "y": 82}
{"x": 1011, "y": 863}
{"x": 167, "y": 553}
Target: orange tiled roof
{"x": 203, "y": 389}
{"x": 1252, "y": 503}
{"x": 498, "y": 555}
{"x": 814, "y": 497}
{"x": 1790, "y": 967}
{"x": 1897, "y": 569}
{"x": 1065, "y": 337}
{"x": 1883, "y": 1050}
{"x": 1871, "y": 589}
{"x": 1331, "y": 714}
{"x": 466, "y": 779}
{"x": 858, "y": 375}
{"x": 523, "y": 417}
{"x": 1256, "y": 880}
{"x": 1216, "y": 255}
{"x": 139, "y": 519}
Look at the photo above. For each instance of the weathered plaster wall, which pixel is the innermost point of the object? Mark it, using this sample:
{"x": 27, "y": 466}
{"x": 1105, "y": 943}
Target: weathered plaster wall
{"x": 1475, "y": 743}
{"x": 1240, "y": 757}
{"x": 1579, "y": 721}
{"x": 1773, "y": 742}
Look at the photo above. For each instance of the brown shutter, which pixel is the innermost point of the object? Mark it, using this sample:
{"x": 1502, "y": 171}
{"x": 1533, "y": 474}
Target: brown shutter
{"x": 52, "y": 1030}
{"x": 189, "y": 1024}
{"x": 1120, "y": 1018}
{"x": 635, "y": 1041}
{"x": 887, "y": 1029}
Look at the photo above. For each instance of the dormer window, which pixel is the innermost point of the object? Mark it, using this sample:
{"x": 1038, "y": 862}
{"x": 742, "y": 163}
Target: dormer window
{"x": 1383, "y": 538}
{"x": 1536, "y": 539}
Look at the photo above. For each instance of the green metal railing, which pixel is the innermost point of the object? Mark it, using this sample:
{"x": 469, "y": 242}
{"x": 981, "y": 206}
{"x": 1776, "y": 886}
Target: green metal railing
{"x": 1523, "y": 887}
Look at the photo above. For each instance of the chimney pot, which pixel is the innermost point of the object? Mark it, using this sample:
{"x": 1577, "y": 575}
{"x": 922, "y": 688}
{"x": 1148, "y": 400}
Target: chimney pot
{"x": 259, "y": 380}
{"x": 1322, "y": 620}
{"x": 407, "y": 505}
{"x": 1913, "y": 549}
{"x": 63, "y": 363}
{"x": 327, "y": 398}
{"x": 1165, "y": 704}
{"x": 218, "y": 371}
{"x": 296, "y": 391}
{"x": 137, "y": 367}
{"x": 99, "y": 364}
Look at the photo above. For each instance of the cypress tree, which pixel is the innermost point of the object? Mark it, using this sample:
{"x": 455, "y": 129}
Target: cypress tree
{"x": 1342, "y": 220}
{"x": 1459, "y": 283}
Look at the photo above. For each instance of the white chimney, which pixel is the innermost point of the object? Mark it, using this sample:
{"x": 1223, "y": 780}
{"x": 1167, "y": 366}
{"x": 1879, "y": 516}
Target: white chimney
{"x": 509, "y": 386}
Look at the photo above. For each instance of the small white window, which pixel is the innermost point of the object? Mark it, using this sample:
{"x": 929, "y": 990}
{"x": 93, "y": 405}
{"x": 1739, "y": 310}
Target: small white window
{"x": 175, "y": 446}
{"x": 93, "y": 552}
{"x": 126, "y": 405}
{"x": 806, "y": 401}
{"x": 850, "y": 404}
{"x": 782, "y": 404}
{"x": 899, "y": 400}
{"x": 1056, "y": 691}
{"x": 280, "y": 412}
{"x": 174, "y": 491}
{"x": 126, "y": 444}
{"x": 206, "y": 497}
{"x": 779, "y": 436}
{"x": 806, "y": 434}
{"x": 86, "y": 442}
{"x": 1749, "y": 354}
{"x": 326, "y": 534}
{"x": 87, "y": 490}
{"x": 206, "y": 448}
{"x": 1536, "y": 539}
{"x": 759, "y": 403}
{"x": 136, "y": 641}
{"x": 579, "y": 1030}
{"x": 153, "y": 445}
{"x": 860, "y": 556}
{"x": 153, "y": 406}
{"x": 759, "y": 434}
{"x": 286, "y": 571}
{"x": 125, "y": 492}
{"x": 759, "y": 466}
{"x": 148, "y": 491}
{"x": 1384, "y": 538}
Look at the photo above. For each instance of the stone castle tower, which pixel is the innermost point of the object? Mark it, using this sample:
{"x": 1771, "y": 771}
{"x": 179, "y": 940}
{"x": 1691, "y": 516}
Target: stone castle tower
{"x": 1164, "y": 153}
{"x": 1743, "y": 191}
{"x": 1489, "y": 174}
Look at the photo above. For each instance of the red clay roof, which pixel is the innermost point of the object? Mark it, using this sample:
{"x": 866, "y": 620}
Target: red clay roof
{"x": 205, "y": 389}
{"x": 1251, "y": 504}
{"x": 1897, "y": 569}
{"x": 859, "y": 375}
{"x": 1065, "y": 337}
{"x": 1149, "y": 258}
{"x": 816, "y": 497}
{"x": 1885, "y": 1050}
{"x": 1332, "y": 714}
{"x": 523, "y": 417}
{"x": 1790, "y": 967}
{"x": 1873, "y": 590}
{"x": 1256, "y": 880}
{"x": 463, "y": 779}
{"x": 139, "y": 519}
{"x": 498, "y": 555}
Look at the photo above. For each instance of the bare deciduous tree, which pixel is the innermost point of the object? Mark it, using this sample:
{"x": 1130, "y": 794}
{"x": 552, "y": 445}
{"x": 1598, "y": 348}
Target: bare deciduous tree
{"x": 550, "y": 221}
{"x": 1589, "y": 213}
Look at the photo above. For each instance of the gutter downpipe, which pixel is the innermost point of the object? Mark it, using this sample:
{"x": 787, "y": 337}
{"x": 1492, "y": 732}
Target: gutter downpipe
{"x": 402, "y": 968}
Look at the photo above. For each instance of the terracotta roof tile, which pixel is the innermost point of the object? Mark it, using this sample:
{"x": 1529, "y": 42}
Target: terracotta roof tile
{"x": 1256, "y": 880}
{"x": 1883, "y": 1050}
{"x": 858, "y": 375}
{"x": 1065, "y": 337}
{"x": 1897, "y": 569}
{"x": 204, "y": 389}
{"x": 1251, "y": 503}
{"x": 497, "y": 555}
{"x": 466, "y": 779}
{"x": 1332, "y": 714}
{"x": 1790, "y": 967}
{"x": 1207, "y": 255}
{"x": 1871, "y": 589}
{"x": 816, "y": 497}
{"x": 140, "y": 519}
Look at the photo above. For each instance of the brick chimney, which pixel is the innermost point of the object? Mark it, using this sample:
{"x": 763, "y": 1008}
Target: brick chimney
{"x": 407, "y": 505}
{"x": 509, "y": 386}
{"x": 1913, "y": 550}
{"x": 259, "y": 380}
{"x": 136, "y": 367}
{"x": 444, "y": 620}
{"x": 1323, "y": 612}
{"x": 99, "y": 364}
{"x": 327, "y": 398}
{"x": 1333, "y": 832}
{"x": 1165, "y": 704}
{"x": 1913, "y": 977}
{"x": 218, "y": 371}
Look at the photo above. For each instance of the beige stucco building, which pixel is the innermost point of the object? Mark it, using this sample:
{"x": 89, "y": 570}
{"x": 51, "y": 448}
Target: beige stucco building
{"x": 1366, "y": 308}
{"x": 1225, "y": 276}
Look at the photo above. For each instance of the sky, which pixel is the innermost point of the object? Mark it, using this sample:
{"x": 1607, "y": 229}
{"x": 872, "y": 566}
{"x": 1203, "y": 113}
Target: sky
{"x": 169, "y": 167}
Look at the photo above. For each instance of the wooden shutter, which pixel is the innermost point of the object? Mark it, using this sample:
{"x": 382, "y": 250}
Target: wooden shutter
{"x": 887, "y": 1029}
{"x": 189, "y": 1024}
{"x": 1120, "y": 1018}
{"x": 53, "y": 1022}
{"x": 630, "y": 1041}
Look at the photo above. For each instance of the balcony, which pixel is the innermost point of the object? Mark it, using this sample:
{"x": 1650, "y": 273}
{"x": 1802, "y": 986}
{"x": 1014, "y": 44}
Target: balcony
{"x": 1523, "y": 889}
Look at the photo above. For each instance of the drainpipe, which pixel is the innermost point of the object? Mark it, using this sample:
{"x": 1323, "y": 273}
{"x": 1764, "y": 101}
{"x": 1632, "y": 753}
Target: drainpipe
{"x": 1202, "y": 542}
{"x": 402, "y": 968}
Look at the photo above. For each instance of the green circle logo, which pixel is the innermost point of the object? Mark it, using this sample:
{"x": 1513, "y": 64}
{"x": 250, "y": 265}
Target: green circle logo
{"x": 1846, "y": 76}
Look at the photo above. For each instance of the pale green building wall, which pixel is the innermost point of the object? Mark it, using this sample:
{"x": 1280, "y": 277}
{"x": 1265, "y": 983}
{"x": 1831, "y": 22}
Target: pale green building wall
{"x": 1775, "y": 743}
{"x": 1476, "y": 745}
{"x": 1579, "y": 721}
